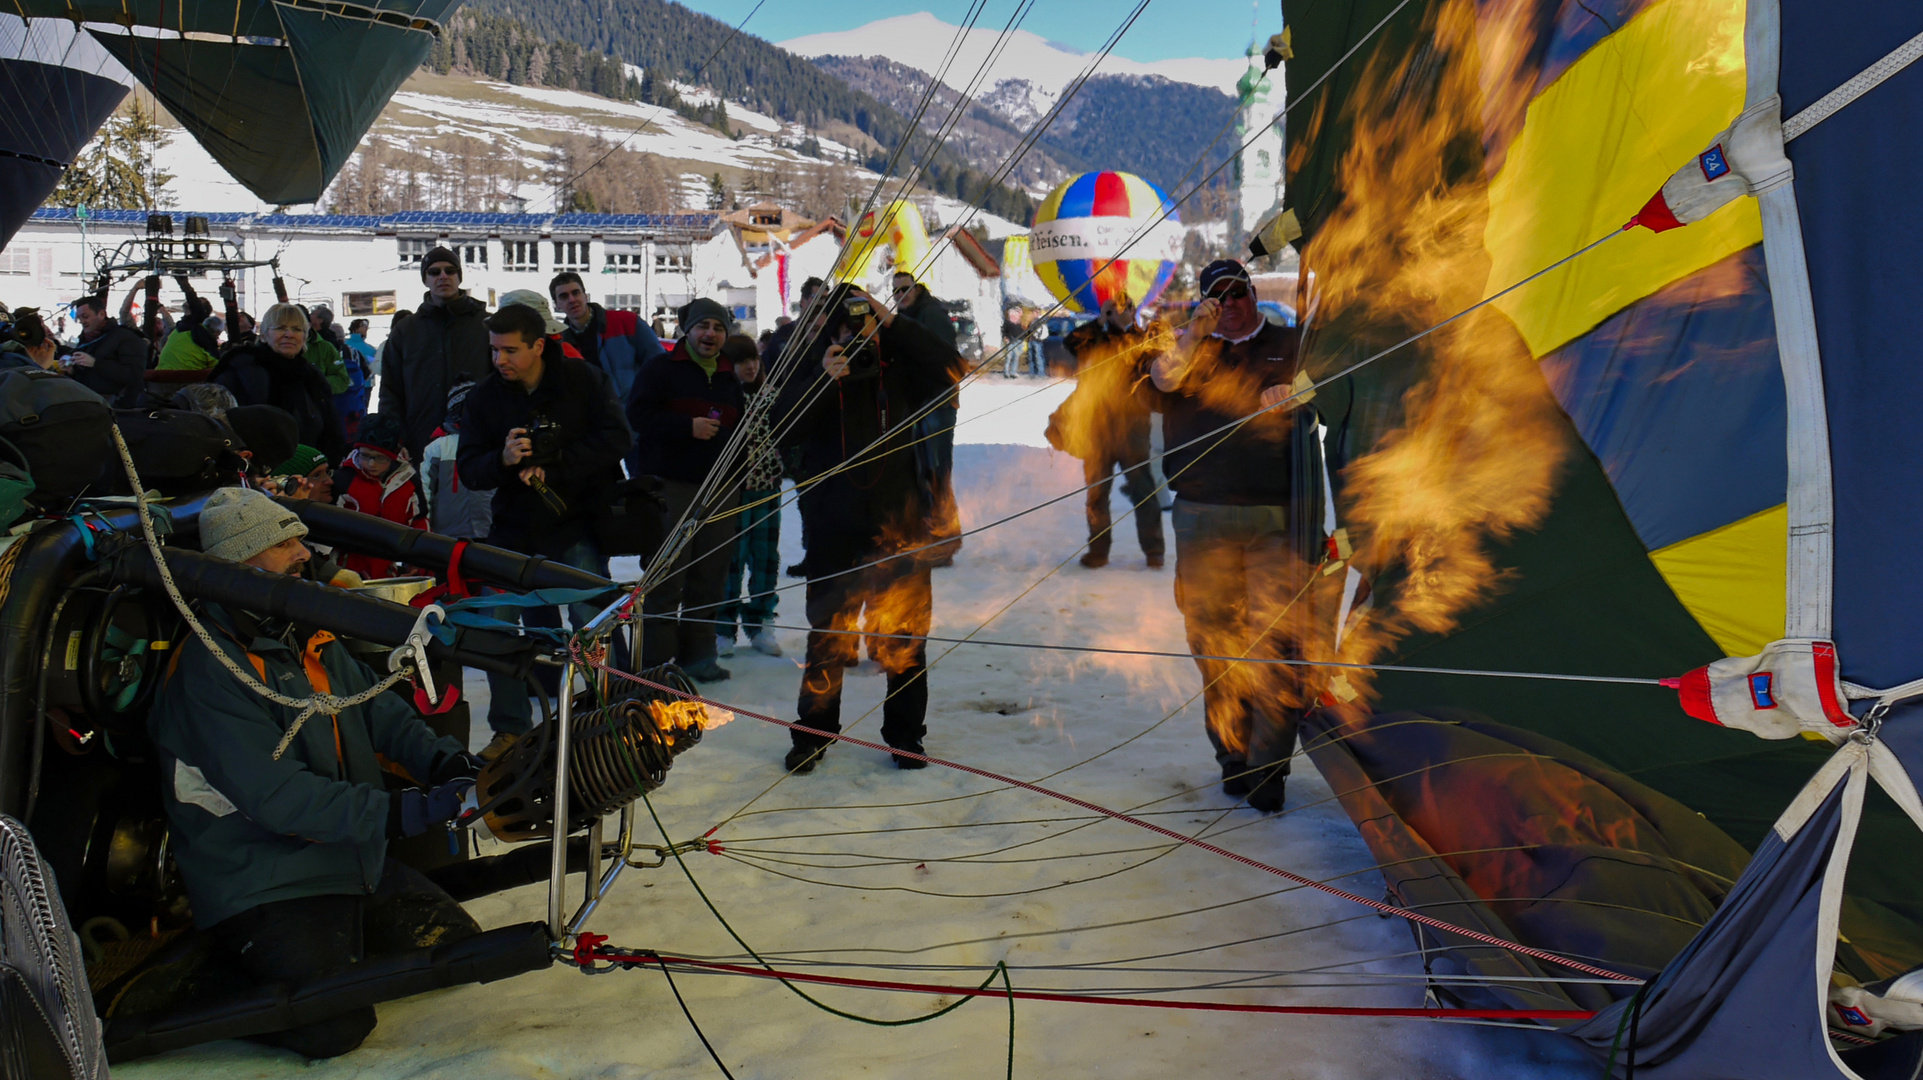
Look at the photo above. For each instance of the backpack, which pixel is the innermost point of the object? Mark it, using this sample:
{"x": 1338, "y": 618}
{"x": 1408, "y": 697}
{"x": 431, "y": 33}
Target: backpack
{"x": 16, "y": 484}
{"x": 60, "y": 428}
{"x": 176, "y": 451}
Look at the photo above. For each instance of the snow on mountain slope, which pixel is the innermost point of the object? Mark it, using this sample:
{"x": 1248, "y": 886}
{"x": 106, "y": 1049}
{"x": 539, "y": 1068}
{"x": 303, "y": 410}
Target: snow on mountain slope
{"x": 525, "y": 121}
{"x": 921, "y": 40}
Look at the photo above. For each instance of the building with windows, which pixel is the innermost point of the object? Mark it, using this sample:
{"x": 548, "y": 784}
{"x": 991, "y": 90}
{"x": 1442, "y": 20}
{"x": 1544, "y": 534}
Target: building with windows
{"x": 368, "y": 266}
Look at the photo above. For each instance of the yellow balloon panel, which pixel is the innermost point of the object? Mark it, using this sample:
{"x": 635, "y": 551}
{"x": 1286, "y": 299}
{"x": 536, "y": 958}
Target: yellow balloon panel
{"x": 1731, "y": 579}
{"x": 1595, "y": 146}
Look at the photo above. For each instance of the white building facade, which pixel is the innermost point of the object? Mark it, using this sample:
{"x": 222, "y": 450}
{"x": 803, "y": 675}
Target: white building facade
{"x": 368, "y": 267}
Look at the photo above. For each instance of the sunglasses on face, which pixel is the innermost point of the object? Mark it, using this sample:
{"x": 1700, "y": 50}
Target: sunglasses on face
{"x": 443, "y": 270}
{"x": 1235, "y": 291}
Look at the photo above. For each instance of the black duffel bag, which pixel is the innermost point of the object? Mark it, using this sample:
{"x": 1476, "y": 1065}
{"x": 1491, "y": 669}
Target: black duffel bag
{"x": 177, "y": 452}
{"x": 60, "y": 428}
{"x": 636, "y": 520}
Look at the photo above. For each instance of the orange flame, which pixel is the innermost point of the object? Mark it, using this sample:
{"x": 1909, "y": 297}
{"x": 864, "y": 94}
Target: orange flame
{"x": 1480, "y": 441}
{"x": 683, "y": 715}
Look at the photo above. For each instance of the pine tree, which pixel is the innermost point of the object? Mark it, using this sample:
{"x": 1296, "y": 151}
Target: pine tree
{"x": 717, "y": 193}
{"x": 116, "y": 171}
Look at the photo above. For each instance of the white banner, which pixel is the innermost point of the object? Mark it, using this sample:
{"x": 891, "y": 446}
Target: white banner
{"x": 1104, "y": 238}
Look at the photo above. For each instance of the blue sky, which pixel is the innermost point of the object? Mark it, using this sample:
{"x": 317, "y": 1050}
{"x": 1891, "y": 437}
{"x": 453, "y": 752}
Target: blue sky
{"x": 1169, "y": 28}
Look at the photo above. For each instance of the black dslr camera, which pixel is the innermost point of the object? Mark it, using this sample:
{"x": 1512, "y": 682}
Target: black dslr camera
{"x": 544, "y": 441}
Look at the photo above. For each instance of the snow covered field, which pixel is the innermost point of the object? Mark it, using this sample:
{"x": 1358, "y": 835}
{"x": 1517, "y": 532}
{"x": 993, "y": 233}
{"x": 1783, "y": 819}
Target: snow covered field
{"x": 934, "y": 876}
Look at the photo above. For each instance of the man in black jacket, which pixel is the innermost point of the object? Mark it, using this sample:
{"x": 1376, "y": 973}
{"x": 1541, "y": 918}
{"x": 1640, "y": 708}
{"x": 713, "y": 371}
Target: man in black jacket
{"x": 683, "y": 407}
{"x": 444, "y": 342}
{"x": 109, "y": 359}
{"x": 543, "y": 432}
{"x": 937, "y": 429}
{"x": 1249, "y": 519}
{"x": 1107, "y": 426}
{"x": 879, "y": 368}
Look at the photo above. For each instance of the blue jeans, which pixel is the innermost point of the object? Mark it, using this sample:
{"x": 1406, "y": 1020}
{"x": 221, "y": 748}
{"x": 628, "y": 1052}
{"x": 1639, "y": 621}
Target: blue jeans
{"x": 509, "y": 710}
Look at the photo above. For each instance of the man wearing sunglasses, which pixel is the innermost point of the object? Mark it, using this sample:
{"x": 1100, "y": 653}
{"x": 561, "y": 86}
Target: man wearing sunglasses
{"x": 1248, "y": 520}
{"x": 443, "y": 343}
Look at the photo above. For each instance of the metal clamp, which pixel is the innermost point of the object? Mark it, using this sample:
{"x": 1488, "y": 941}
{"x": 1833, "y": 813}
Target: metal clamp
{"x": 415, "y": 649}
{"x": 664, "y": 853}
{"x": 1871, "y": 723}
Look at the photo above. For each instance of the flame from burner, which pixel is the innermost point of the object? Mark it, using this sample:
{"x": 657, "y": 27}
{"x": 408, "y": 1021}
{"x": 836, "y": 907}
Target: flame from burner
{"x": 684, "y": 715}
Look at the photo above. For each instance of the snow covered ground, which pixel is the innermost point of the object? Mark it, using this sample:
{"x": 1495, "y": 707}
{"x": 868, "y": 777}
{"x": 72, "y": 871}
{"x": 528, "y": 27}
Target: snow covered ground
{"x": 934, "y": 876}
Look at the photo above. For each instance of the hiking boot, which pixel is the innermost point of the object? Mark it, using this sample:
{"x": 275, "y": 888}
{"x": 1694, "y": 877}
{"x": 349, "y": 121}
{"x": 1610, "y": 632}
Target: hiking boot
{"x": 802, "y": 760}
{"x": 498, "y": 745}
{"x": 724, "y": 646}
{"x": 908, "y": 762}
{"x": 1155, "y": 561}
{"x": 764, "y": 643}
{"x": 1235, "y": 779}
{"x": 1266, "y": 794}
{"x": 707, "y": 671}
{"x": 1094, "y": 561}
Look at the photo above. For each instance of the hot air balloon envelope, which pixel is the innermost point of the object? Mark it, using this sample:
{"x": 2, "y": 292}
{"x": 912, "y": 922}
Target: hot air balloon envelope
{"x": 1105, "y": 234}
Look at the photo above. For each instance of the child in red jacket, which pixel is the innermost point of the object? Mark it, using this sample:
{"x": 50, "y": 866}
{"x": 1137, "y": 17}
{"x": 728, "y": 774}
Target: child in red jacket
{"x": 377, "y": 479}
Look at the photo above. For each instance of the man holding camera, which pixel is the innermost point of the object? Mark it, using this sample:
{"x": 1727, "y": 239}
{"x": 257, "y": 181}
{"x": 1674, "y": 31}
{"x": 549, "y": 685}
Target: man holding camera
{"x": 1249, "y": 517}
{"x": 543, "y": 431}
{"x": 877, "y": 369}
{"x": 684, "y": 406}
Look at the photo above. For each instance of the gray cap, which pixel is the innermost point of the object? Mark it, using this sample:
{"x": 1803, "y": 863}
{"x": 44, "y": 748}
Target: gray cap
{"x": 237, "y": 524}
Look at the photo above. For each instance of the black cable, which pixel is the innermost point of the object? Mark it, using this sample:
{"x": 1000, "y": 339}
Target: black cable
{"x": 669, "y": 975}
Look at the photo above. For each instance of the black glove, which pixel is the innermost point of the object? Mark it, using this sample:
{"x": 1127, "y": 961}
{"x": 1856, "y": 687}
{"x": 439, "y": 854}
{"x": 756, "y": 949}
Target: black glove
{"x": 411, "y": 811}
{"x": 460, "y": 765}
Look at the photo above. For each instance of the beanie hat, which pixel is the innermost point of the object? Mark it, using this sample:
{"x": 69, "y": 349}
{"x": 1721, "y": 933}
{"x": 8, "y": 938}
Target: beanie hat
{"x": 437, "y": 255}
{"x": 456, "y": 405}
{"x": 530, "y": 298}
{"x": 272, "y": 434}
{"x": 703, "y": 308}
{"x": 305, "y": 460}
{"x": 380, "y": 432}
{"x": 237, "y": 524}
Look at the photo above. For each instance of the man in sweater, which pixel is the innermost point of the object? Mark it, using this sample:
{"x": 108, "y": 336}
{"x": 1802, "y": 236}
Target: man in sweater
{"x": 684, "y": 405}
{"x": 444, "y": 342}
{"x": 1248, "y": 519}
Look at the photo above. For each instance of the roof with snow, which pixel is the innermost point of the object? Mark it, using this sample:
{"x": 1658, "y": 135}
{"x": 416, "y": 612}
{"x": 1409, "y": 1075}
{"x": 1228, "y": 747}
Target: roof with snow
{"x": 680, "y": 224}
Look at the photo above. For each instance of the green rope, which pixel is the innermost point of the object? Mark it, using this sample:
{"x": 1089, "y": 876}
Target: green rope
{"x": 1001, "y": 967}
{"x": 1622, "y": 1025}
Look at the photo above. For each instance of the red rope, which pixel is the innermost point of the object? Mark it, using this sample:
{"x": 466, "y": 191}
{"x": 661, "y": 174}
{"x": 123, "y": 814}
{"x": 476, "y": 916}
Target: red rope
{"x": 586, "y": 958}
{"x": 1389, "y": 909}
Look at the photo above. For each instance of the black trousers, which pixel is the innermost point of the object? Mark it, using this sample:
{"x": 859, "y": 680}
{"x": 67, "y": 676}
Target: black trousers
{"x": 678, "y": 615}
{"x": 898, "y": 596}
{"x": 292, "y": 941}
{"x": 1138, "y": 479}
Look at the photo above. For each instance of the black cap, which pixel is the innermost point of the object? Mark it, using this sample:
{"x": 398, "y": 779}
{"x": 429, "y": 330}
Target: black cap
{"x": 1222, "y": 270}
{"x": 439, "y": 255}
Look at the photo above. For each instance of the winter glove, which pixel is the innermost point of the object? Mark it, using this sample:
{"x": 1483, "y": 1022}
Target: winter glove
{"x": 457, "y": 766}
{"x": 411, "y": 811}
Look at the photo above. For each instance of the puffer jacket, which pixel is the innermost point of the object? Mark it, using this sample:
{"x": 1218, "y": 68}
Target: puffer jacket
{"x": 249, "y": 830}
{"x": 453, "y": 508}
{"x": 395, "y": 497}
{"x": 427, "y": 355}
{"x": 618, "y": 342}
{"x": 119, "y": 370}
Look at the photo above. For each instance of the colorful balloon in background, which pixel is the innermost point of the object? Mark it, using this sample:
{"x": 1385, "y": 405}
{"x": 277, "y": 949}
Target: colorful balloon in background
{"x": 1103, "y": 234}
